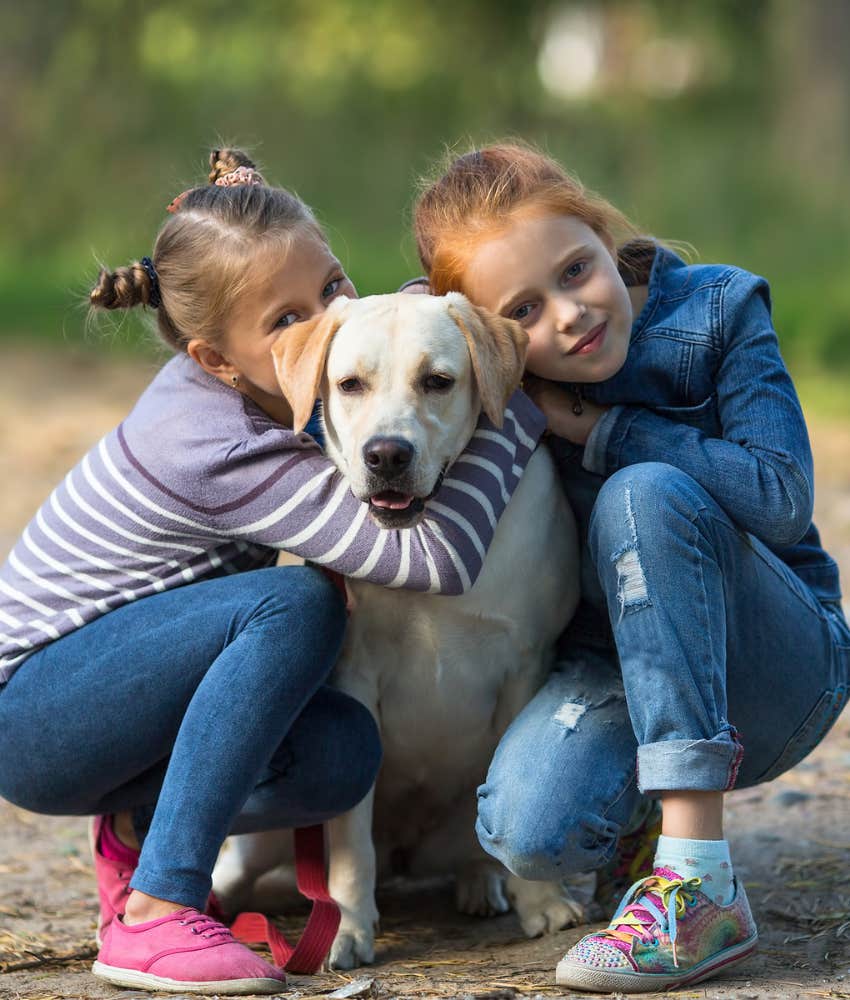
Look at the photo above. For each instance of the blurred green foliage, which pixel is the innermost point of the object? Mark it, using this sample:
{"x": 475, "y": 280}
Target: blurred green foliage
{"x": 109, "y": 108}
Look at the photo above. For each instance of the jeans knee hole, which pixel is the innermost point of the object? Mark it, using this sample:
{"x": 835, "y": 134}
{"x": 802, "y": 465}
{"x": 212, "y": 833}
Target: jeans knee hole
{"x": 632, "y": 589}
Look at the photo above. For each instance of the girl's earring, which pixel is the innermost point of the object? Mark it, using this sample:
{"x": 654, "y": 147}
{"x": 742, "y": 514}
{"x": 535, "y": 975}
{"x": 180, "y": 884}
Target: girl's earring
{"x": 234, "y": 380}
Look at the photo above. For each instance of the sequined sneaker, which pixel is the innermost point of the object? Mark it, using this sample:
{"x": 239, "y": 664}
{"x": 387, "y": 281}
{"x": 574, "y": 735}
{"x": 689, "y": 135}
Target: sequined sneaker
{"x": 633, "y": 860}
{"x": 666, "y": 934}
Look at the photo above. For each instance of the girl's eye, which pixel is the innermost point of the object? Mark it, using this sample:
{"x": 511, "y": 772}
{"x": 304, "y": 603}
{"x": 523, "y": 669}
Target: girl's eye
{"x": 522, "y": 312}
{"x": 286, "y": 320}
{"x": 575, "y": 270}
{"x": 350, "y": 385}
{"x": 437, "y": 383}
{"x": 331, "y": 288}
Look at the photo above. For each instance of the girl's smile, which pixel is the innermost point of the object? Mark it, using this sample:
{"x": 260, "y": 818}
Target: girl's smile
{"x": 589, "y": 343}
{"x": 558, "y": 278}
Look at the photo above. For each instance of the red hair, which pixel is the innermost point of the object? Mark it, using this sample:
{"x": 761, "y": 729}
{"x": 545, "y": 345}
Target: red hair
{"x": 481, "y": 193}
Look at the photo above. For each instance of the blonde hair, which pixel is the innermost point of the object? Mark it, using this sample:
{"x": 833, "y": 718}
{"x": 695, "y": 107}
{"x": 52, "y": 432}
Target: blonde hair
{"x": 478, "y": 195}
{"x": 204, "y": 250}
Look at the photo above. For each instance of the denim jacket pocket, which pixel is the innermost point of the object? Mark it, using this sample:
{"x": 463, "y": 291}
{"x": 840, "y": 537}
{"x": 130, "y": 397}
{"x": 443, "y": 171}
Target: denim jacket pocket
{"x": 816, "y": 725}
{"x": 704, "y": 416}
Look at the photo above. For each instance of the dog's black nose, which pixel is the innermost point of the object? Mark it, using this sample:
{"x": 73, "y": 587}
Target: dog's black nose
{"x": 387, "y": 456}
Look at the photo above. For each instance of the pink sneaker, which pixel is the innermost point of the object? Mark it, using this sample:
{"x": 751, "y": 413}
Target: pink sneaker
{"x": 113, "y": 880}
{"x": 113, "y": 883}
{"x": 185, "y": 952}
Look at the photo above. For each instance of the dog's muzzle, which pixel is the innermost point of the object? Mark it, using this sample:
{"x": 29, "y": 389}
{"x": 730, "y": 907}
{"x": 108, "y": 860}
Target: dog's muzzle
{"x": 392, "y": 500}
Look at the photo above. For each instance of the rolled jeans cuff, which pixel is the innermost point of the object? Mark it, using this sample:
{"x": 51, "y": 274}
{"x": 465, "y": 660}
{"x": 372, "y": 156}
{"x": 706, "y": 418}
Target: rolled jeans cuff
{"x": 690, "y": 765}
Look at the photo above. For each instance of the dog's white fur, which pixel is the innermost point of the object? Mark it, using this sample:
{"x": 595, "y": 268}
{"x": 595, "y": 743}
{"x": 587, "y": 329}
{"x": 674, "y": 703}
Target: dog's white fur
{"x": 443, "y": 676}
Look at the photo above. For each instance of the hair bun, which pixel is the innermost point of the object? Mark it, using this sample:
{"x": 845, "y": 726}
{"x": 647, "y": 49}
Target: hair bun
{"x": 123, "y": 289}
{"x": 227, "y": 160}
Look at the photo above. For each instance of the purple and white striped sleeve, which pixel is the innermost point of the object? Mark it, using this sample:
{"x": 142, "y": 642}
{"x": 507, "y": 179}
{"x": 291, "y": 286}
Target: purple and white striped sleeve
{"x": 313, "y": 513}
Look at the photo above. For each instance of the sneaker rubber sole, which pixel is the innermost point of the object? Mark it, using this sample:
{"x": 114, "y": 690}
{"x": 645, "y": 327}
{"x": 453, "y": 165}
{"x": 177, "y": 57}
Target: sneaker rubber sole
{"x": 147, "y": 981}
{"x": 581, "y": 977}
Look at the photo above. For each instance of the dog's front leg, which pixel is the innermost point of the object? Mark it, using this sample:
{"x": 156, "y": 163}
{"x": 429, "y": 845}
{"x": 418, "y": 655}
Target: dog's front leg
{"x": 242, "y": 860}
{"x": 352, "y": 884}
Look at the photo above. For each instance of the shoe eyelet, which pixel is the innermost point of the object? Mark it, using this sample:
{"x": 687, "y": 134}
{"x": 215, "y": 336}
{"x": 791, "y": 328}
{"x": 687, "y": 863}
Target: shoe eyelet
{"x": 655, "y": 942}
{"x": 195, "y": 930}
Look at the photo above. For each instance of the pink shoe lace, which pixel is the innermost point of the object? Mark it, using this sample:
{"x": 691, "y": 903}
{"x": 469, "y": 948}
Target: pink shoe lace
{"x": 651, "y": 907}
{"x": 204, "y": 926}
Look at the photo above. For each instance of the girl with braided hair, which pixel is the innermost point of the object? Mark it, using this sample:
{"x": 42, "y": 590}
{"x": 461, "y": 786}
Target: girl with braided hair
{"x": 157, "y": 669}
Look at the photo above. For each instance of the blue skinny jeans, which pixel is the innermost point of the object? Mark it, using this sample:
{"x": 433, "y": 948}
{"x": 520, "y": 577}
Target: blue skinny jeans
{"x": 724, "y": 671}
{"x": 202, "y": 710}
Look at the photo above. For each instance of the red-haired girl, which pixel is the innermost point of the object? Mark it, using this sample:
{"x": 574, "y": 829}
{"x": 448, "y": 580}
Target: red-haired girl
{"x": 710, "y": 650}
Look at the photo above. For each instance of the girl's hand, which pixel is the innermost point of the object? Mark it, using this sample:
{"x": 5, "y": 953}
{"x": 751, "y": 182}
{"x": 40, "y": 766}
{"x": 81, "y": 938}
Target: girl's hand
{"x": 557, "y": 404}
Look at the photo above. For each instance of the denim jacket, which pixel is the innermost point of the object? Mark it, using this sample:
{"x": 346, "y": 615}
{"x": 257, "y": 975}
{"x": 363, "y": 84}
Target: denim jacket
{"x": 704, "y": 388}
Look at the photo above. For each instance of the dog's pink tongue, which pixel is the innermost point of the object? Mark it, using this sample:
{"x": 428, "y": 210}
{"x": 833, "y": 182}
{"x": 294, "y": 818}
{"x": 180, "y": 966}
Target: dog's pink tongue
{"x": 391, "y": 500}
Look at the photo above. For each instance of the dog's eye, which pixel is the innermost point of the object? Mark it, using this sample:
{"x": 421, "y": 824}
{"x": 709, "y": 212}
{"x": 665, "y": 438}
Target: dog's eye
{"x": 350, "y": 385}
{"x": 437, "y": 383}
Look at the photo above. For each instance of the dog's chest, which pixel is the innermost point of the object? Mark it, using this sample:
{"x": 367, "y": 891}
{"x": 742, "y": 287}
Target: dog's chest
{"x": 445, "y": 675}
{"x": 443, "y": 679}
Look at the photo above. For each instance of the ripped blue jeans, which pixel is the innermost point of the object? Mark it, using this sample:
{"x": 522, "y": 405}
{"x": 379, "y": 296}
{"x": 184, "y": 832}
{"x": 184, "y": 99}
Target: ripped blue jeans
{"x": 721, "y": 670}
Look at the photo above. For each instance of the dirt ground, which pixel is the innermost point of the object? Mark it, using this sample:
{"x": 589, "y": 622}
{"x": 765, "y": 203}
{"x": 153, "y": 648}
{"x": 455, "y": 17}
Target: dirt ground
{"x": 794, "y": 831}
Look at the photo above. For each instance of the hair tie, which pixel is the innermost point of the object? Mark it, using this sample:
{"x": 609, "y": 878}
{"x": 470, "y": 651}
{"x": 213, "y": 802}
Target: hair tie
{"x": 241, "y": 175}
{"x": 177, "y": 201}
{"x": 233, "y": 178}
{"x": 154, "y": 299}
{"x": 474, "y": 158}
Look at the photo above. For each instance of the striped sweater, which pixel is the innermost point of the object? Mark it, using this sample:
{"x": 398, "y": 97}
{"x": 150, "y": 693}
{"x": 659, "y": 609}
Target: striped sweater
{"x": 198, "y": 481}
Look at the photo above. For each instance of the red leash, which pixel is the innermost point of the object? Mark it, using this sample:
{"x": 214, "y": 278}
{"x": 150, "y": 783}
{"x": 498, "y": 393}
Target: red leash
{"x": 315, "y": 942}
{"x": 313, "y": 946}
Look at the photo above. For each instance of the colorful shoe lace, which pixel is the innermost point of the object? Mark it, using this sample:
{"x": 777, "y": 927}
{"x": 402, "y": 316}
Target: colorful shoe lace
{"x": 633, "y": 860}
{"x": 665, "y": 934}
{"x": 184, "y": 952}
{"x": 113, "y": 880}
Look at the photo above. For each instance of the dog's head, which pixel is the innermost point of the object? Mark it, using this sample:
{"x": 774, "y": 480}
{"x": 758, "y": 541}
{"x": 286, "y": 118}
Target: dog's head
{"x": 402, "y": 379}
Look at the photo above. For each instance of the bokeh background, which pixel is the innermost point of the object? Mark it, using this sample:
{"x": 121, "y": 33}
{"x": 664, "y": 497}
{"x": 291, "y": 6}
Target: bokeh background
{"x": 724, "y": 123}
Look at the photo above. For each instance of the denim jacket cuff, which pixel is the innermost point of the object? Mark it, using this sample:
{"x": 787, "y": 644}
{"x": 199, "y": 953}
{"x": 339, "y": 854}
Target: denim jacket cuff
{"x": 596, "y": 447}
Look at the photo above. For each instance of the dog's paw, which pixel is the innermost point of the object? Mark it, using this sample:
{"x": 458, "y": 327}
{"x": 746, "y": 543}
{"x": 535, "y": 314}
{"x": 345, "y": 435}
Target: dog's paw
{"x": 546, "y": 907}
{"x": 352, "y": 947}
{"x": 354, "y": 943}
{"x": 480, "y": 890}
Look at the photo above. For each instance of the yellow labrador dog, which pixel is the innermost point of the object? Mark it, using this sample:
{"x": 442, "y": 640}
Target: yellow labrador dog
{"x": 443, "y": 676}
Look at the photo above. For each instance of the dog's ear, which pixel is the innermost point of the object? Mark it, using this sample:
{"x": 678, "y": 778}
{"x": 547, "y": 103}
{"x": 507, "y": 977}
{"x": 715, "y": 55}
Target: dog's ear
{"x": 299, "y": 356}
{"x": 497, "y": 346}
